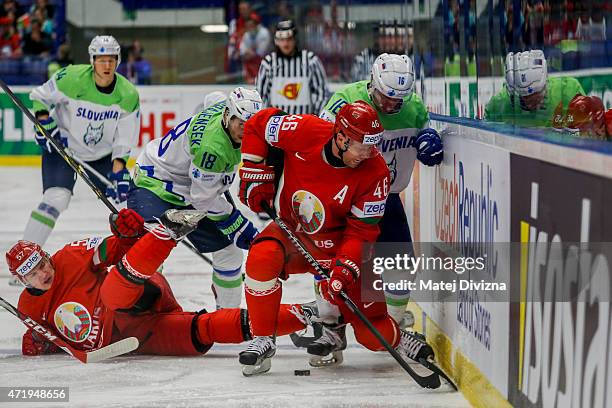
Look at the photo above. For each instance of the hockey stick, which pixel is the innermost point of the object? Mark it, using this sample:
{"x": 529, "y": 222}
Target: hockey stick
{"x": 431, "y": 381}
{"x": 93, "y": 171}
{"x": 76, "y": 165}
{"x": 112, "y": 350}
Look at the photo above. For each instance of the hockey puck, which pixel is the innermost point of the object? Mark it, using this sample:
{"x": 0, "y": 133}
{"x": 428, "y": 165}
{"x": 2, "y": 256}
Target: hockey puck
{"x": 301, "y": 372}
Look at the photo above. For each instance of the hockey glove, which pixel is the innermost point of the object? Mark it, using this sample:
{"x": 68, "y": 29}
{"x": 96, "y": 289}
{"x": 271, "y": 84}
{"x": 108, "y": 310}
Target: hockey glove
{"x": 343, "y": 274}
{"x": 429, "y": 147}
{"x": 121, "y": 183}
{"x": 34, "y": 344}
{"x": 51, "y": 128}
{"x": 256, "y": 185}
{"x": 237, "y": 228}
{"x": 127, "y": 224}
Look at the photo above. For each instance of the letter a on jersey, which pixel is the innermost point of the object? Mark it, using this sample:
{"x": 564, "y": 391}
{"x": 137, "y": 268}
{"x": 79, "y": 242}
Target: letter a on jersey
{"x": 340, "y": 195}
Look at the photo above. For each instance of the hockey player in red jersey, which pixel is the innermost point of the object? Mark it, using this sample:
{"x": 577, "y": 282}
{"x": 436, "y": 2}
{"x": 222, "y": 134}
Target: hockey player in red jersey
{"x": 332, "y": 195}
{"x": 99, "y": 290}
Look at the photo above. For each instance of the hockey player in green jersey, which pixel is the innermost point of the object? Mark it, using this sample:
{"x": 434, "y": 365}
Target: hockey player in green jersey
{"x": 406, "y": 137}
{"x": 94, "y": 112}
{"x": 192, "y": 166}
{"x": 530, "y": 98}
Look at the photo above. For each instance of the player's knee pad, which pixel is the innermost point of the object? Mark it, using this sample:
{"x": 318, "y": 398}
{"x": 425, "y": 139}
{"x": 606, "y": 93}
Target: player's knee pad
{"x": 228, "y": 258}
{"x": 265, "y": 260}
{"x": 57, "y": 198}
{"x": 54, "y": 201}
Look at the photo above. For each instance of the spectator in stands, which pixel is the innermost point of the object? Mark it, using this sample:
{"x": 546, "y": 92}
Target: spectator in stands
{"x": 137, "y": 69}
{"x": 591, "y": 24}
{"x": 10, "y": 42}
{"x": 37, "y": 42}
{"x": 236, "y": 31}
{"x": 62, "y": 60}
{"x": 41, "y": 15}
{"x": 47, "y": 8}
{"x": 284, "y": 11}
{"x": 254, "y": 45}
{"x": 362, "y": 63}
{"x": 12, "y": 9}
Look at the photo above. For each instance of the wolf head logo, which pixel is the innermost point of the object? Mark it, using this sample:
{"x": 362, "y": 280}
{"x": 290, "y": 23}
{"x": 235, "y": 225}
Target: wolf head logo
{"x": 93, "y": 135}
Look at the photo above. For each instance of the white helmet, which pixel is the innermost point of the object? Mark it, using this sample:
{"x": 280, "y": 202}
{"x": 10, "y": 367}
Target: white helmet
{"x": 214, "y": 98}
{"x": 243, "y": 103}
{"x": 393, "y": 75}
{"x": 104, "y": 45}
{"x": 526, "y": 72}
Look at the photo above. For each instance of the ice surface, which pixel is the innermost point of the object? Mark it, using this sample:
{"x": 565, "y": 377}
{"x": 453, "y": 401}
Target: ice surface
{"x": 214, "y": 380}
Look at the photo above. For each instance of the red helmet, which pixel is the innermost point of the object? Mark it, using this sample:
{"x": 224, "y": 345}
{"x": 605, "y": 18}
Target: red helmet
{"x": 586, "y": 114}
{"x": 23, "y": 257}
{"x": 359, "y": 121}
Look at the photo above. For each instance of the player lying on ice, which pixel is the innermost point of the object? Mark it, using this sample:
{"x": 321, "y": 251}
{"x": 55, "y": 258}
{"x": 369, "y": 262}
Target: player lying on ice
{"x": 97, "y": 291}
{"x": 334, "y": 187}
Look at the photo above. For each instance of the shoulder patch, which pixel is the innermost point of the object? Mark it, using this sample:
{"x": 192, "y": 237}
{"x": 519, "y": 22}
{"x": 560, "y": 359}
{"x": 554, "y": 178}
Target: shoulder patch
{"x": 272, "y": 128}
{"x": 369, "y": 209}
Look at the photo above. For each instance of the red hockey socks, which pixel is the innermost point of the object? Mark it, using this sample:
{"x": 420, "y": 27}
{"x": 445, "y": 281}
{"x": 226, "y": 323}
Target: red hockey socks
{"x": 223, "y": 326}
{"x": 263, "y": 290}
{"x": 147, "y": 255}
{"x": 385, "y": 325}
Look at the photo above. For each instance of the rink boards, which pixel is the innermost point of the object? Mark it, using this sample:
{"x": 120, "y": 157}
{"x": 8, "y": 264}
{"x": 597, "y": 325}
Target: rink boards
{"x": 547, "y": 344}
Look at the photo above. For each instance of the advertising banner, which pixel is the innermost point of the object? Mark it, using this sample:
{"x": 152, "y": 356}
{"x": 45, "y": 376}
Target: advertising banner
{"x": 560, "y": 348}
{"x": 467, "y": 200}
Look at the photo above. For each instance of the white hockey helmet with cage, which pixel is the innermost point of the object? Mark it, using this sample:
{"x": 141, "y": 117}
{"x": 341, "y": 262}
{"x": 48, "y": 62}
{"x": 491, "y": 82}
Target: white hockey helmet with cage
{"x": 243, "y": 103}
{"x": 526, "y": 72}
{"x": 393, "y": 75}
{"x": 104, "y": 45}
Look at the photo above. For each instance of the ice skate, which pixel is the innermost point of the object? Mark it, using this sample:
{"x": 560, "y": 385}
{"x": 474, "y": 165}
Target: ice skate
{"x": 414, "y": 346}
{"x": 179, "y": 223}
{"x": 257, "y": 358}
{"x": 327, "y": 341}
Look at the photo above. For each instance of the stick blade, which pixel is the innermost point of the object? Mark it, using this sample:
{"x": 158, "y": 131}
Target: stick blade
{"x": 113, "y": 350}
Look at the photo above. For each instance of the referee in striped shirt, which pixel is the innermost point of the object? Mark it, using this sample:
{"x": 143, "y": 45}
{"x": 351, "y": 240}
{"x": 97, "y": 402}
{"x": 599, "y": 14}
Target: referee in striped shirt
{"x": 291, "y": 79}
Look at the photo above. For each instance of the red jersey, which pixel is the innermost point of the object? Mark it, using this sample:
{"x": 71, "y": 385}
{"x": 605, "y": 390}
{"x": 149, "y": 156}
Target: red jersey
{"x": 72, "y": 306}
{"x": 338, "y": 208}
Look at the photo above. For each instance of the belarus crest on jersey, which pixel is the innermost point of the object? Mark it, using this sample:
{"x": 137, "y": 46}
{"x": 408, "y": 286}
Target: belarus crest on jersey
{"x": 93, "y": 135}
{"x": 309, "y": 211}
{"x": 73, "y": 321}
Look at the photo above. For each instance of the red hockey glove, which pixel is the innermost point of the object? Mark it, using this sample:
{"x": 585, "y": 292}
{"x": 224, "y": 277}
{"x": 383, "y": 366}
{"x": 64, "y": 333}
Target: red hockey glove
{"x": 343, "y": 274}
{"x": 256, "y": 185}
{"x": 34, "y": 345}
{"x": 127, "y": 224}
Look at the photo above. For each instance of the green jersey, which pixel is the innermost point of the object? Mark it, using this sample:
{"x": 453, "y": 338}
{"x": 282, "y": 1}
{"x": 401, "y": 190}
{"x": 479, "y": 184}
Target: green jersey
{"x": 504, "y": 108}
{"x": 96, "y": 124}
{"x": 399, "y": 128}
{"x": 194, "y": 163}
